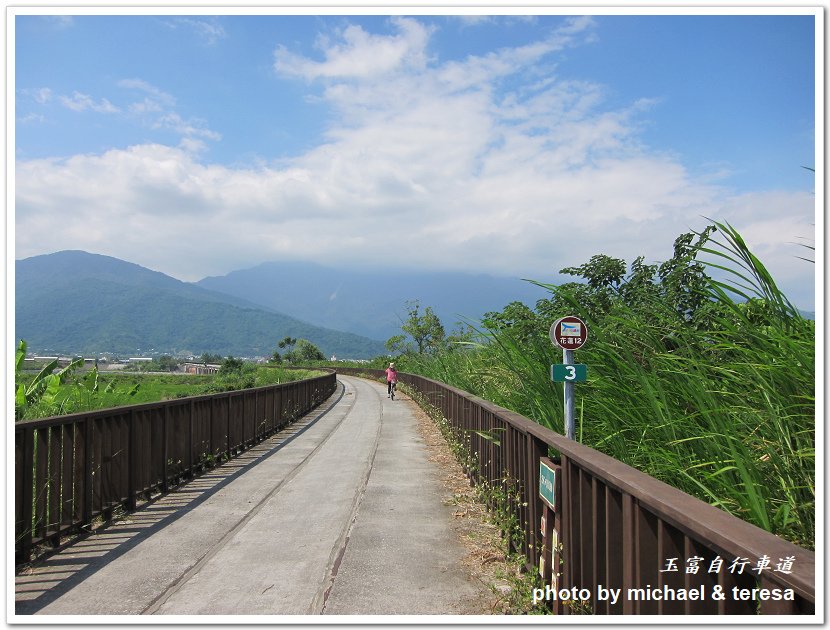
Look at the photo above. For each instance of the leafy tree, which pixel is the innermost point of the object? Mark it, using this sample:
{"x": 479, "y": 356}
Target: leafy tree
{"x": 210, "y": 358}
{"x": 463, "y": 334}
{"x": 425, "y": 330}
{"x": 166, "y": 363}
{"x": 287, "y": 342}
{"x": 516, "y": 317}
{"x": 673, "y": 295}
{"x": 231, "y": 366}
{"x": 303, "y": 352}
{"x": 683, "y": 279}
{"x": 397, "y": 344}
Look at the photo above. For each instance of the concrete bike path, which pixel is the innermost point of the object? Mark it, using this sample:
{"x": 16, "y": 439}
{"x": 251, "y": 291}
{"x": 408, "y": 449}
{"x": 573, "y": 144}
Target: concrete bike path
{"x": 340, "y": 514}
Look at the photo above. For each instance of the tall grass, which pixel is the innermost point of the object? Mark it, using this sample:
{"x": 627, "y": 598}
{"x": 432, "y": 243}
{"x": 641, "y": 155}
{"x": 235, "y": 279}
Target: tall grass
{"x": 723, "y": 409}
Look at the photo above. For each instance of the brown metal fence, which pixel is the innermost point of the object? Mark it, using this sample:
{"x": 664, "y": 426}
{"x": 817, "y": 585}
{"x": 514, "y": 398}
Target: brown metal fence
{"x": 72, "y": 469}
{"x": 618, "y": 528}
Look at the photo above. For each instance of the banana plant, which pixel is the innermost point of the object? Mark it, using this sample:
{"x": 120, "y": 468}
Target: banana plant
{"x": 47, "y": 386}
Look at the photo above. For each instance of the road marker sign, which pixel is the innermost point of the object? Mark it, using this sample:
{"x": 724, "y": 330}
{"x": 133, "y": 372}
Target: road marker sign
{"x": 569, "y": 373}
{"x": 569, "y": 333}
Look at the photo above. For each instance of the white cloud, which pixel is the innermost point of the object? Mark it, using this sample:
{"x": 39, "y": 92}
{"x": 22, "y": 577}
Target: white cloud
{"x": 79, "y": 102}
{"x": 157, "y": 95}
{"x": 61, "y": 21}
{"x": 187, "y": 128}
{"x": 157, "y": 111}
{"x": 40, "y": 95}
{"x": 31, "y": 118}
{"x": 209, "y": 31}
{"x": 427, "y": 164}
{"x": 361, "y": 54}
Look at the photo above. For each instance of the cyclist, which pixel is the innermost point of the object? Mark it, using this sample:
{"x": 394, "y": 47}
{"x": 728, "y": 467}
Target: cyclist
{"x": 391, "y": 380}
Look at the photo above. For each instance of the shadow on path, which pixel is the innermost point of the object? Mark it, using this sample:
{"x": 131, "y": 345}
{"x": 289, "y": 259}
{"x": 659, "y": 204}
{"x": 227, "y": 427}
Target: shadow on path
{"x": 49, "y": 578}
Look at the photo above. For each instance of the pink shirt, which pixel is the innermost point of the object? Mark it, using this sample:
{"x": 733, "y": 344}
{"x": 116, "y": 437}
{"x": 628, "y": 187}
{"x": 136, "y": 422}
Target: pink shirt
{"x": 391, "y": 375}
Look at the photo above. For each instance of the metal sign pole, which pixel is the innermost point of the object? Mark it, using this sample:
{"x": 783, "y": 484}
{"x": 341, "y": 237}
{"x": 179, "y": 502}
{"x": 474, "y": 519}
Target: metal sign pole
{"x": 568, "y": 359}
{"x": 569, "y": 333}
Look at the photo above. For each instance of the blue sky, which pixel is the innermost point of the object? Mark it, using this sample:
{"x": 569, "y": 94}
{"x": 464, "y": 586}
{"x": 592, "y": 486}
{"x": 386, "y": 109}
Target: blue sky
{"x": 513, "y": 145}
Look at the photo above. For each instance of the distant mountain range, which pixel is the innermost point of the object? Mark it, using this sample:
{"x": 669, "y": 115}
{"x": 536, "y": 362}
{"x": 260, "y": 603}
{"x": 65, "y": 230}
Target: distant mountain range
{"x": 76, "y": 302}
{"x": 371, "y": 303}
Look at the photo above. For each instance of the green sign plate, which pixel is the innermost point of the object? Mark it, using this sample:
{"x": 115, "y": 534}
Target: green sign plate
{"x": 564, "y": 373}
{"x": 547, "y": 483}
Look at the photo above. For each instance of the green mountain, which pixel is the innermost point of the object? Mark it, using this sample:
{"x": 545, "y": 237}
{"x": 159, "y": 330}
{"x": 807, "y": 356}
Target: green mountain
{"x": 76, "y": 302}
{"x": 372, "y": 302}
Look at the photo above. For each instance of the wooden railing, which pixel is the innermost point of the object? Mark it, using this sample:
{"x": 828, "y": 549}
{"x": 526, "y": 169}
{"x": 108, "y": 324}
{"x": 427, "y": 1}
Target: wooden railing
{"x": 618, "y": 528}
{"x": 72, "y": 469}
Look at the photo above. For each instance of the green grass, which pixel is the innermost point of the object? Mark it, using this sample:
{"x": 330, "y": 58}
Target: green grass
{"x": 133, "y": 389}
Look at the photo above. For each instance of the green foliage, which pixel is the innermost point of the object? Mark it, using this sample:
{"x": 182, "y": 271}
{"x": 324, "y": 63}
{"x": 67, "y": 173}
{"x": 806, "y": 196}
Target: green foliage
{"x": 287, "y": 342}
{"x": 164, "y": 363}
{"x": 425, "y": 330}
{"x": 231, "y": 366}
{"x": 233, "y": 374}
{"x": 94, "y": 390}
{"x": 54, "y": 392}
{"x": 299, "y": 351}
{"x": 707, "y": 384}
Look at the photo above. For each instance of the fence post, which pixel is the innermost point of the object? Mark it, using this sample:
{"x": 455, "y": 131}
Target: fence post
{"x": 132, "y": 474}
{"x": 538, "y": 450}
{"x": 210, "y": 429}
{"x": 190, "y": 441}
{"x": 89, "y": 479}
{"x": 165, "y": 477}
{"x": 229, "y": 426}
{"x": 629, "y": 542}
{"x": 28, "y": 498}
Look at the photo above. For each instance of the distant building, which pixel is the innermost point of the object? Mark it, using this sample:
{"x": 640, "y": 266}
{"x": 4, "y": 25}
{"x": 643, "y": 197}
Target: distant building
{"x": 201, "y": 368}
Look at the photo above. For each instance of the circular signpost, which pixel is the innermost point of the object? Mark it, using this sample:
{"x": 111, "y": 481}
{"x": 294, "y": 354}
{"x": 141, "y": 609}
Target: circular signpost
{"x": 569, "y": 333}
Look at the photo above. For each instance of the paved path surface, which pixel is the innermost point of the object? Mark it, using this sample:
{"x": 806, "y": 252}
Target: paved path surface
{"x": 341, "y": 514}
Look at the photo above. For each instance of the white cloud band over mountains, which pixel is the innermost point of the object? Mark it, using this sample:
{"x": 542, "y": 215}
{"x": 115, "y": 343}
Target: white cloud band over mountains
{"x": 493, "y": 163}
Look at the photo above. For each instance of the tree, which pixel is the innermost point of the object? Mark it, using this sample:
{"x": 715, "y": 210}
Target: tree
{"x": 287, "y": 342}
{"x": 231, "y": 366}
{"x": 397, "y": 344}
{"x": 462, "y": 335}
{"x": 425, "y": 330}
{"x": 303, "y": 352}
{"x": 683, "y": 277}
{"x": 165, "y": 363}
{"x": 517, "y": 318}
